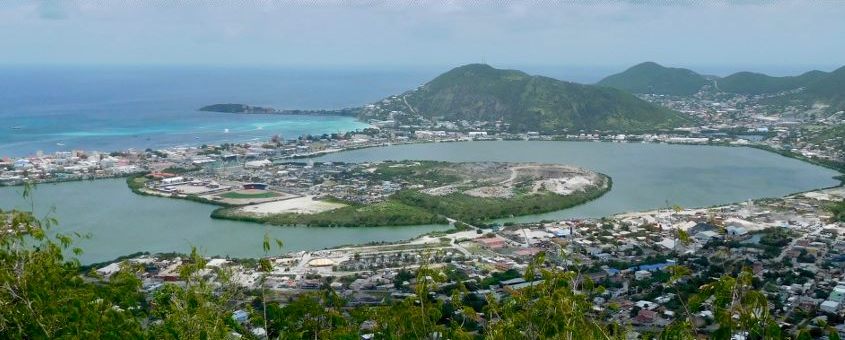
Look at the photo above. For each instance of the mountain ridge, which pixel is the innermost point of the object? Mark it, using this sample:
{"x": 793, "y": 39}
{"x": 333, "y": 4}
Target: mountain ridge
{"x": 745, "y": 82}
{"x": 812, "y": 87}
{"x": 651, "y": 77}
{"x": 480, "y": 92}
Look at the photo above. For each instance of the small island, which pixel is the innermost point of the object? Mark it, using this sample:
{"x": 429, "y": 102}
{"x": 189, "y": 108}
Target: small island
{"x": 236, "y": 108}
{"x": 251, "y": 109}
{"x": 385, "y": 193}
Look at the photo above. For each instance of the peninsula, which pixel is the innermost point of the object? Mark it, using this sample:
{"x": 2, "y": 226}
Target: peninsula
{"x": 385, "y": 193}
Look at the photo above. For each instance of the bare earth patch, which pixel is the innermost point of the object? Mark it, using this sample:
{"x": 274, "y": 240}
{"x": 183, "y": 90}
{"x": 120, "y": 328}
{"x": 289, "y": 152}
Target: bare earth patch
{"x": 299, "y": 205}
{"x": 507, "y": 180}
{"x": 566, "y": 186}
{"x": 491, "y": 191}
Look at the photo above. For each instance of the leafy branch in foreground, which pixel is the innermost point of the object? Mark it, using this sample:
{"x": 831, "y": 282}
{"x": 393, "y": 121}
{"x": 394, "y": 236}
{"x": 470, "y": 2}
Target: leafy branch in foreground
{"x": 43, "y": 294}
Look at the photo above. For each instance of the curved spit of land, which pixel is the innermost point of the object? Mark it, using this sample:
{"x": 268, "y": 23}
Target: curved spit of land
{"x": 428, "y": 192}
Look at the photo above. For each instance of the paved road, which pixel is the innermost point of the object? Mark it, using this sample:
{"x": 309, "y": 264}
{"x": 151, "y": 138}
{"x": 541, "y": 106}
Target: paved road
{"x": 795, "y": 240}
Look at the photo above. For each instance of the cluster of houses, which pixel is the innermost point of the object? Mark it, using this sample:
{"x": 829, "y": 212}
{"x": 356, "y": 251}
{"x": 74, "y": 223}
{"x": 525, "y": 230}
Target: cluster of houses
{"x": 66, "y": 166}
{"x": 802, "y": 274}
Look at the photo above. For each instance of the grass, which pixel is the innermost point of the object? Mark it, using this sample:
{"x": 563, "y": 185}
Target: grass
{"x": 241, "y": 195}
{"x": 136, "y": 183}
{"x": 430, "y": 172}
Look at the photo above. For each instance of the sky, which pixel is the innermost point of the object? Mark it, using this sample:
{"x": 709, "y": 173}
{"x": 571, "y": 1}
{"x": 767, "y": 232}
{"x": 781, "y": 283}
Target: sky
{"x": 394, "y": 33}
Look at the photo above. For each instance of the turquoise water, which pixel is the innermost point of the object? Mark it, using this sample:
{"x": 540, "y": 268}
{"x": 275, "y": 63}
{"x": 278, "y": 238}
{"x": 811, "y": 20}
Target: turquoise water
{"x": 114, "y": 108}
{"x": 118, "y": 107}
{"x": 190, "y": 128}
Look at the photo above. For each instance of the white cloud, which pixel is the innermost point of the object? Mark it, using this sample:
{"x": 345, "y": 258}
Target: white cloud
{"x": 440, "y": 32}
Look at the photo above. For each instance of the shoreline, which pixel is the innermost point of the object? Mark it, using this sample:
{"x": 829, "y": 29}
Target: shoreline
{"x": 794, "y": 156}
{"x": 783, "y": 153}
{"x": 839, "y": 167}
{"x": 437, "y": 235}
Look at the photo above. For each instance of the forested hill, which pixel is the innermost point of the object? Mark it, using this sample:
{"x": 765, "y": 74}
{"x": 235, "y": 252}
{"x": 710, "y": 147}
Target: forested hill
{"x": 650, "y": 77}
{"x": 479, "y": 92}
{"x": 812, "y": 87}
{"x": 830, "y": 89}
{"x": 758, "y": 83}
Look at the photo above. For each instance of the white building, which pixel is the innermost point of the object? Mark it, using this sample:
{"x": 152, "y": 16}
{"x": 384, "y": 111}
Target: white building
{"x": 829, "y": 306}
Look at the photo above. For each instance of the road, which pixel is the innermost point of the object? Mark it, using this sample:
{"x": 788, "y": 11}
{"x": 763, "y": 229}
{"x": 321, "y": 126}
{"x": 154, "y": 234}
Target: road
{"x": 795, "y": 240}
{"x": 409, "y": 105}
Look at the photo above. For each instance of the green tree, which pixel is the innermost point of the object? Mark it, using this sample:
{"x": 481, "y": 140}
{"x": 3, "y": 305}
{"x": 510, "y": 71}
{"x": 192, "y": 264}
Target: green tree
{"x": 43, "y": 295}
{"x": 197, "y": 310}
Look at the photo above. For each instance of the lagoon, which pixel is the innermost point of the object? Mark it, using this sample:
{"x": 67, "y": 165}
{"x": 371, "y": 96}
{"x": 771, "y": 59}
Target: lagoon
{"x": 645, "y": 176}
{"x": 120, "y": 222}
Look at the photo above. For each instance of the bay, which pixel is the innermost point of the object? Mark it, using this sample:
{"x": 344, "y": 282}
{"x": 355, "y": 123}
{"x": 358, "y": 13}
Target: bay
{"x": 645, "y": 176}
{"x": 120, "y": 222}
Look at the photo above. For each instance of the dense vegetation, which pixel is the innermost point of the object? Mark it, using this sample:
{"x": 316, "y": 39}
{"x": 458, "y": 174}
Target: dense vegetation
{"x": 818, "y": 87}
{"x": 473, "y": 209}
{"x": 758, "y": 83}
{"x": 650, "y": 77}
{"x": 829, "y": 89}
{"x": 136, "y": 183}
{"x": 838, "y": 211}
{"x": 387, "y": 213}
{"x": 479, "y": 92}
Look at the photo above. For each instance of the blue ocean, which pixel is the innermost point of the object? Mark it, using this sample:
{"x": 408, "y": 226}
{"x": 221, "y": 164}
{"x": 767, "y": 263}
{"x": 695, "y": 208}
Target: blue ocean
{"x": 110, "y": 108}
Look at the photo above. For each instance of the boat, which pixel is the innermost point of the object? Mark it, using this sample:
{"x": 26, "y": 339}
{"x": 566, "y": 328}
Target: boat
{"x": 17, "y": 127}
{"x": 60, "y": 144}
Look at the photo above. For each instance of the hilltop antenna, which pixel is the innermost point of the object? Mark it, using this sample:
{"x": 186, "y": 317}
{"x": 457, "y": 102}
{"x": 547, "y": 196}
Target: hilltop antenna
{"x": 483, "y": 60}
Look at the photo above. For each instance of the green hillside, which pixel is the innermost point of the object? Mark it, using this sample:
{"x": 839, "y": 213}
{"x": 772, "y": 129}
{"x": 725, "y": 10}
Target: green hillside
{"x": 758, "y": 83}
{"x": 829, "y": 89}
{"x": 481, "y": 92}
{"x": 650, "y": 77}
